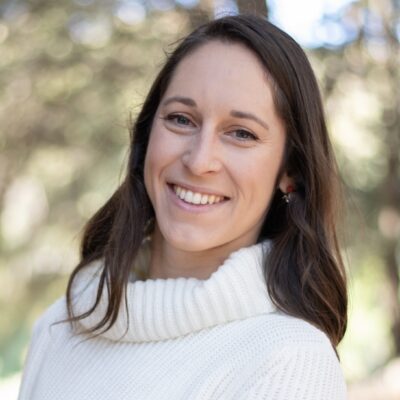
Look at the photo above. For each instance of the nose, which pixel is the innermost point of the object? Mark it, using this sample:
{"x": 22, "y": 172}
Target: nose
{"x": 201, "y": 156}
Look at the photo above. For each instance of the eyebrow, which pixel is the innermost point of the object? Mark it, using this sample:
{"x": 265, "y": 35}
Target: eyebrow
{"x": 187, "y": 101}
{"x": 247, "y": 115}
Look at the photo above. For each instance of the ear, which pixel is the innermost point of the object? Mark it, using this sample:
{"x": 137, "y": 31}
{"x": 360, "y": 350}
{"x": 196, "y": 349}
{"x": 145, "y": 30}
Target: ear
{"x": 285, "y": 182}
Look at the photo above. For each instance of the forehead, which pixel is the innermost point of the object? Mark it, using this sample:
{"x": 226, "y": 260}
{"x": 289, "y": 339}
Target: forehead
{"x": 224, "y": 71}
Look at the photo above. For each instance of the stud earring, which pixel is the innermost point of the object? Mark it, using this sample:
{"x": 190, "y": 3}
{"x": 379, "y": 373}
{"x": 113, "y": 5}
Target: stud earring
{"x": 286, "y": 197}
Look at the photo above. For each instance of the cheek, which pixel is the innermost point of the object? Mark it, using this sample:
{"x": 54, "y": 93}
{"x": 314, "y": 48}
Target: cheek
{"x": 150, "y": 164}
{"x": 258, "y": 180}
{"x": 160, "y": 153}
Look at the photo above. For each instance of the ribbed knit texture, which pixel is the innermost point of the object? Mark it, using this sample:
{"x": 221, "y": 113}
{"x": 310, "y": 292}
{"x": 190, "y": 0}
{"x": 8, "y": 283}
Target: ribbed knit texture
{"x": 184, "y": 338}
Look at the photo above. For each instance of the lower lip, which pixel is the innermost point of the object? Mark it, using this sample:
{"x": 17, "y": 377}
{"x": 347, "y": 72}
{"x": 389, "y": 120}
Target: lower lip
{"x": 193, "y": 208}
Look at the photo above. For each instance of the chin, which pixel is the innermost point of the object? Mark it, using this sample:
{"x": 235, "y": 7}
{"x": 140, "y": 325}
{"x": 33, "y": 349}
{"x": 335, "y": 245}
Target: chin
{"x": 190, "y": 241}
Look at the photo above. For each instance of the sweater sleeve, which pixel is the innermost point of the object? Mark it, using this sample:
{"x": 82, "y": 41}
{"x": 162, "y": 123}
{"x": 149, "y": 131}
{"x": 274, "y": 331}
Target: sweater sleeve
{"x": 38, "y": 349}
{"x": 305, "y": 373}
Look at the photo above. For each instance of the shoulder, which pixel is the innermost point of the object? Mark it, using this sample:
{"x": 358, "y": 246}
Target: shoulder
{"x": 297, "y": 360}
{"x": 280, "y": 330}
{"x": 273, "y": 339}
{"x": 46, "y": 333}
{"x": 57, "y": 311}
{"x": 296, "y": 342}
{"x": 283, "y": 340}
{"x": 50, "y": 319}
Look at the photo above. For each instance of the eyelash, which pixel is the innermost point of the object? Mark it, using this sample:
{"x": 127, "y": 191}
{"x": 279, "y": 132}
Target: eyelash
{"x": 172, "y": 117}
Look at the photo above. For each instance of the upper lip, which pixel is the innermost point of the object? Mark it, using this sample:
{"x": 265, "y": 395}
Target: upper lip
{"x": 197, "y": 189}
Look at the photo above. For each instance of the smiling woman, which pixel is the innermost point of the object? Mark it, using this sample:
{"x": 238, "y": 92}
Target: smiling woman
{"x": 207, "y": 140}
{"x": 213, "y": 272}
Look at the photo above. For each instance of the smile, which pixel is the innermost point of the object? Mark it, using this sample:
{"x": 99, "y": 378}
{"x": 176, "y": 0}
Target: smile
{"x": 195, "y": 197}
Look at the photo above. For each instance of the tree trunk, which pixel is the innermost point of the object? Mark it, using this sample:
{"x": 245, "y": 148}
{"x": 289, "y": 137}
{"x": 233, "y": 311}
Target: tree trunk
{"x": 202, "y": 13}
{"x": 258, "y": 7}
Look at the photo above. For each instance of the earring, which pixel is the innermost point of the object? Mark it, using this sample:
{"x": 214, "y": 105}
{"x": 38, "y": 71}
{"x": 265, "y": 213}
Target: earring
{"x": 286, "y": 197}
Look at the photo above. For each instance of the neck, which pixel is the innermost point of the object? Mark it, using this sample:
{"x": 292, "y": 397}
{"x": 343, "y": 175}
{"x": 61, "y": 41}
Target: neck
{"x": 171, "y": 262}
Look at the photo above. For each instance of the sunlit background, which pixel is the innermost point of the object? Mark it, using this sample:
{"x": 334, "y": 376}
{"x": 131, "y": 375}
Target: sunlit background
{"x": 72, "y": 73}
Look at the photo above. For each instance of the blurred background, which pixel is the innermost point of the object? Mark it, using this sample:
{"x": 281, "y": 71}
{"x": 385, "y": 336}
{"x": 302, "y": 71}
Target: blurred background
{"x": 72, "y": 73}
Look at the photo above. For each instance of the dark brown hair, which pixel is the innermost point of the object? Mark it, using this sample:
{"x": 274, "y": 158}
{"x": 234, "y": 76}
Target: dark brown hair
{"x": 304, "y": 271}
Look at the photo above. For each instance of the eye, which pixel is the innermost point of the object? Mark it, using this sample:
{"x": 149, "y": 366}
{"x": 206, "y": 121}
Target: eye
{"x": 244, "y": 135}
{"x": 178, "y": 119}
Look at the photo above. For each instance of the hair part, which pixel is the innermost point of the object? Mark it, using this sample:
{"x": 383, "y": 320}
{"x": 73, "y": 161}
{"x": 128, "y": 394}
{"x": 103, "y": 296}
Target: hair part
{"x": 304, "y": 271}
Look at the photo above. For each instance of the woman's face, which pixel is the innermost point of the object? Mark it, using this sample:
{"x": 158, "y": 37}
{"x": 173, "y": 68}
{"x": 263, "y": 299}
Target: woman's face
{"x": 215, "y": 149}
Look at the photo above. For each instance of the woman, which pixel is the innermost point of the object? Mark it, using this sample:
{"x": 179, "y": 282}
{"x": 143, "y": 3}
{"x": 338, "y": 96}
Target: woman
{"x": 213, "y": 272}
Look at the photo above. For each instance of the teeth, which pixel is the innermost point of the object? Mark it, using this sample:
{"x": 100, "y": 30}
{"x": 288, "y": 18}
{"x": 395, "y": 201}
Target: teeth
{"x": 204, "y": 199}
{"x": 188, "y": 196}
{"x": 196, "y": 198}
{"x": 182, "y": 193}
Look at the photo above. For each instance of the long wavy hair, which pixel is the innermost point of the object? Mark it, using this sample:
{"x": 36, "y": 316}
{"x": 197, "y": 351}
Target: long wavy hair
{"x": 304, "y": 271}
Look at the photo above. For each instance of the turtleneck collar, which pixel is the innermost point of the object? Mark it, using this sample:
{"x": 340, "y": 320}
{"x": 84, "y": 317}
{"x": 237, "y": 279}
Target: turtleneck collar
{"x": 160, "y": 309}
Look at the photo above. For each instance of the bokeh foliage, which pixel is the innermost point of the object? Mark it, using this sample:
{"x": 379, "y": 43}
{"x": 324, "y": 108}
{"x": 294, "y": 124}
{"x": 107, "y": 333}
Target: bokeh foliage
{"x": 70, "y": 76}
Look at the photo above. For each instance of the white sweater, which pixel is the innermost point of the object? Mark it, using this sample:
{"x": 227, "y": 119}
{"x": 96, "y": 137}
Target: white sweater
{"x": 185, "y": 339}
